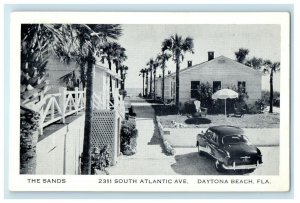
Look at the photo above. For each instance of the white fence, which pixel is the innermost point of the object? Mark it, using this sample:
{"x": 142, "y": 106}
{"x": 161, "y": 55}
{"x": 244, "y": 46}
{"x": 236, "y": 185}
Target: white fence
{"x": 99, "y": 104}
{"x": 60, "y": 105}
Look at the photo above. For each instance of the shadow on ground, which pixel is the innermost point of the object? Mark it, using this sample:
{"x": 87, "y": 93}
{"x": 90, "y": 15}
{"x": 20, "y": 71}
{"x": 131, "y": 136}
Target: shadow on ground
{"x": 164, "y": 110}
{"x": 143, "y": 112}
{"x": 197, "y": 121}
{"x": 157, "y": 140}
{"x": 194, "y": 164}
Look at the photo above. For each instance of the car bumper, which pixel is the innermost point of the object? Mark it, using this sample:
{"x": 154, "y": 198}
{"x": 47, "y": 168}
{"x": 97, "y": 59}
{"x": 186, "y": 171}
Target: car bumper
{"x": 241, "y": 167}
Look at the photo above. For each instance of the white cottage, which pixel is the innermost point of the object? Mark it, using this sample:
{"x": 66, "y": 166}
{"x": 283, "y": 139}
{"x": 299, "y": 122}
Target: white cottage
{"x": 220, "y": 72}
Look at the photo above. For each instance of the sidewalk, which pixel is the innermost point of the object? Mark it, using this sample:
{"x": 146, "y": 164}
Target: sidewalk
{"x": 150, "y": 158}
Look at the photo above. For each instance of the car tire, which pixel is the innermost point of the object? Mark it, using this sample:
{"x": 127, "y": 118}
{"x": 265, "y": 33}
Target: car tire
{"x": 219, "y": 166}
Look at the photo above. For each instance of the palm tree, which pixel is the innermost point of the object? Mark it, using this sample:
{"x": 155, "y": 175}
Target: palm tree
{"x": 98, "y": 35}
{"x": 254, "y": 63}
{"x": 38, "y": 41}
{"x": 271, "y": 68}
{"x": 162, "y": 59}
{"x": 69, "y": 41}
{"x": 150, "y": 64}
{"x": 123, "y": 72}
{"x": 108, "y": 51}
{"x": 178, "y": 46}
{"x": 143, "y": 72}
{"x": 241, "y": 55}
{"x": 155, "y": 65}
{"x": 119, "y": 57}
{"x": 147, "y": 82}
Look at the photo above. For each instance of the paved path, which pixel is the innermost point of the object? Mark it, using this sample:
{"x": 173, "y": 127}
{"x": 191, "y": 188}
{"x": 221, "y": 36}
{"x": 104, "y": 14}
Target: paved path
{"x": 150, "y": 158}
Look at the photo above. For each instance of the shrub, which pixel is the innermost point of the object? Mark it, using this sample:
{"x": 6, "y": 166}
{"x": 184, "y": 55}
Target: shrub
{"x": 218, "y": 106}
{"x": 169, "y": 149}
{"x": 260, "y": 105}
{"x": 265, "y": 96}
{"x": 100, "y": 159}
{"x": 257, "y": 107}
{"x": 205, "y": 92}
{"x": 129, "y": 134}
{"x": 190, "y": 107}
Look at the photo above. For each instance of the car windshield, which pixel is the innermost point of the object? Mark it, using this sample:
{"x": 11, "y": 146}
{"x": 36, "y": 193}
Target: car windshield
{"x": 235, "y": 139}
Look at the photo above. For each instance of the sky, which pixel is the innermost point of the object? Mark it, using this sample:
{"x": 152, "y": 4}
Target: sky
{"x": 144, "y": 41}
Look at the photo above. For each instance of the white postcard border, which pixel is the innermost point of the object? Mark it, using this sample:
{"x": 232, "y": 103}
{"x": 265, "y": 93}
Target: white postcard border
{"x": 19, "y": 182}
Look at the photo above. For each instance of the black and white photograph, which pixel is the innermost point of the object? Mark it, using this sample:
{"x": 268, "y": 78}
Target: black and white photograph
{"x": 153, "y": 99}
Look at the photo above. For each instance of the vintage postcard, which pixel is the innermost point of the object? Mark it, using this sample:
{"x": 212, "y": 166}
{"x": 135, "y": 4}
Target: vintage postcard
{"x": 149, "y": 101}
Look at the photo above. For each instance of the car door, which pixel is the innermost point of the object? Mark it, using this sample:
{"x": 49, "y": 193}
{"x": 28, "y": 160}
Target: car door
{"x": 203, "y": 138}
{"x": 213, "y": 144}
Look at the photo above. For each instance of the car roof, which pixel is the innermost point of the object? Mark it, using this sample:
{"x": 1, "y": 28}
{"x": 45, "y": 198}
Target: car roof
{"x": 224, "y": 130}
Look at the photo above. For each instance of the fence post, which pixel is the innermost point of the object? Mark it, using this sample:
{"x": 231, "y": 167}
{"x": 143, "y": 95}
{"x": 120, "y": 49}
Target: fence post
{"x": 76, "y": 100}
{"x": 62, "y": 102}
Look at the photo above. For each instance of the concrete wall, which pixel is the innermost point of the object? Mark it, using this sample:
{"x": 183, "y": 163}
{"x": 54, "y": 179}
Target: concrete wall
{"x": 58, "y": 153}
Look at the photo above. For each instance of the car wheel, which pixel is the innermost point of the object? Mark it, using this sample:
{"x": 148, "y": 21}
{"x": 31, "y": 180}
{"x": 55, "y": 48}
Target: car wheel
{"x": 219, "y": 166}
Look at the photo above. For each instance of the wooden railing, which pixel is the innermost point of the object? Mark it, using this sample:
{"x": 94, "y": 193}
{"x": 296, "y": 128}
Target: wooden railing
{"x": 118, "y": 105}
{"x": 58, "y": 106}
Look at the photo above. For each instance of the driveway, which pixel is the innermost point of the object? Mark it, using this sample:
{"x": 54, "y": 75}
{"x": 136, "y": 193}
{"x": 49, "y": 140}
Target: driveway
{"x": 151, "y": 159}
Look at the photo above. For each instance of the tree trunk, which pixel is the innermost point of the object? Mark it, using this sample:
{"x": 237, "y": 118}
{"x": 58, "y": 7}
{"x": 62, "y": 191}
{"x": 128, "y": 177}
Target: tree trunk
{"x": 271, "y": 92}
{"x": 110, "y": 81}
{"x": 177, "y": 84}
{"x": 150, "y": 83}
{"x": 86, "y": 154}
{"x": 143, "y": 84}
{"x": 154, "y": 88}
{"x": 28, "y": 141}
{"x": 122, "y": 80}
{"x": 146, "y": 90}
{"x": 117, "y": 67}
{"x": 82, "y": 75}
{"x": 163, "y": 85}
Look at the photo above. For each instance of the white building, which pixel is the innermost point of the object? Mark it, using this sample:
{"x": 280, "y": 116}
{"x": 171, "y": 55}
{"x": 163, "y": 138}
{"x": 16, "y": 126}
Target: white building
{"x": 220, "y": 72}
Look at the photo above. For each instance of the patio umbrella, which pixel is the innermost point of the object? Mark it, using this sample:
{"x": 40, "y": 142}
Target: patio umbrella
{"x": 225, "y": 94}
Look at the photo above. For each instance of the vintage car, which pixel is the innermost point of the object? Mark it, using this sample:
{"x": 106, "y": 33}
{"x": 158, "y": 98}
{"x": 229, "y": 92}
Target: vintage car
{"x": 229, "y": 146}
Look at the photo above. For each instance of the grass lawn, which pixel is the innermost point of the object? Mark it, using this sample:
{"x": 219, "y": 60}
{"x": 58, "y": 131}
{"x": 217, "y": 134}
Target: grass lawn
{"x": 264, "y": 120}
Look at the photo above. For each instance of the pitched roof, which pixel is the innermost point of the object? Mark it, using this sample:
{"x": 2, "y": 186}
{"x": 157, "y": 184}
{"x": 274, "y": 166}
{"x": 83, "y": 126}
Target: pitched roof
{"x": 203, "y": 64}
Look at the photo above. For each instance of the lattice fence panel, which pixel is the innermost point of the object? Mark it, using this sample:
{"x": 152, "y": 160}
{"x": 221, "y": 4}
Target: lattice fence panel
{"x": 103, "y": 130}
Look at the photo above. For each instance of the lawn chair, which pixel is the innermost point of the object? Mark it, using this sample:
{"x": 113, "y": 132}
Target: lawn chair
{"x": 239, "y": 111}
{"x": 200, "y": 110}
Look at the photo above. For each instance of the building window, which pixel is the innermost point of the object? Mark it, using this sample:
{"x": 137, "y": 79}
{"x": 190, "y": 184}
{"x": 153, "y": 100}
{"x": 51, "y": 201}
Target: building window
{"x": 216, "y": 86}
{"x": 194, "y": 89}
{"x": 241, "y": 86}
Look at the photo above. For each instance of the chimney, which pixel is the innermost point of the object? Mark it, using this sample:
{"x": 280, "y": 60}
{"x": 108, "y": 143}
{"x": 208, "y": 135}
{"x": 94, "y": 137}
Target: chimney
{"x": 189, "y": 63}
{"x": 210, "y": 55}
